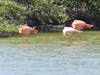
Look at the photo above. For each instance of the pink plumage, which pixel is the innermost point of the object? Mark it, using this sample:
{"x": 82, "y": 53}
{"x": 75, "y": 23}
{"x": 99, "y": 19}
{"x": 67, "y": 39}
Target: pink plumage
{"x": 79, "y": 24}
{"x": 70, "y": 31}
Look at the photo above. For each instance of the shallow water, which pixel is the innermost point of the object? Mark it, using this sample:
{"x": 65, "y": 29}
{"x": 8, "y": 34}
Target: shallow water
{"x": 51, "y": 58}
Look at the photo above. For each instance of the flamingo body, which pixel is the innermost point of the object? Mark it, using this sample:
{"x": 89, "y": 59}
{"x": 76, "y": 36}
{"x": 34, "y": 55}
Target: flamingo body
{"x": 79, "y": 24}
{"x": 27, "y": 30}
{"x": 70, "y": 31}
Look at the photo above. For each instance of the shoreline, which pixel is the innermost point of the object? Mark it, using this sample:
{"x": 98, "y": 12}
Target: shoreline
{"x": 7, "y": 34}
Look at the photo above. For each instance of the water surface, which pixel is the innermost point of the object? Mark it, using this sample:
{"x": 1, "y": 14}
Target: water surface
{"x": 55, "y": 56}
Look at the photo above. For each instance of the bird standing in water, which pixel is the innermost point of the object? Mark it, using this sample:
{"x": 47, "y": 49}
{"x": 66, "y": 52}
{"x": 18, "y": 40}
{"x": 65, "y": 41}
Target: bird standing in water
{"x": 79, "y": 24}
{"x": 26, "y": 30}
{"x": 70, "y": 31}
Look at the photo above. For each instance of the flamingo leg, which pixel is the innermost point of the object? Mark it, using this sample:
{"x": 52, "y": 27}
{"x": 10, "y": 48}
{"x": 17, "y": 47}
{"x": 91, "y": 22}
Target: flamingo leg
{"x": 80, "y": 37}
{"x": 70, "y": 39}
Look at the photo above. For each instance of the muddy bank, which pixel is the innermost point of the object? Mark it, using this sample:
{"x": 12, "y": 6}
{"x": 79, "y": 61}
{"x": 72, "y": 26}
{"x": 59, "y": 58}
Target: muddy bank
{"x": 8, "y": 34}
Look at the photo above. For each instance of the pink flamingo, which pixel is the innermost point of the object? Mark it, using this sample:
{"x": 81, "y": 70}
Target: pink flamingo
{"x": 70, "y": 31}
{"x": 27, "y": 30}
{"x": 79, "y": 24}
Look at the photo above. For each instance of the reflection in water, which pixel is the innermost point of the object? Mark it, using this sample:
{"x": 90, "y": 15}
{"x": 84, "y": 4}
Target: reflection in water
{"x": 49, "y": 59}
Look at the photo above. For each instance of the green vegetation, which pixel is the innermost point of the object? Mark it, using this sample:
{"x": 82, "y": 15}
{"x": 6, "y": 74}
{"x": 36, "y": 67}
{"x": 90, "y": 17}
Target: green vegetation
{"x": 5, "y": 27}
{"x": 47, "y": 12}
{"x": 53, "y": 11}
{"x": 11, "y": 10}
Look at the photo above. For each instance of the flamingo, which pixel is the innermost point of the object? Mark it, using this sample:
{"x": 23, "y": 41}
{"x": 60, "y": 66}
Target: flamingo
{"x": 26, "y": 30}
{"x": 70, "y": 31}
{"x": 79, "y": 24}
